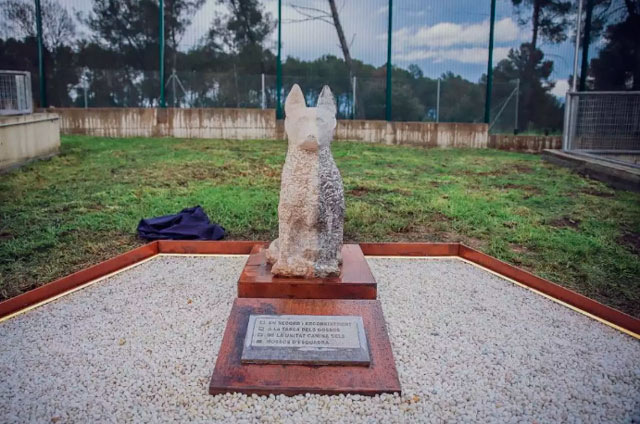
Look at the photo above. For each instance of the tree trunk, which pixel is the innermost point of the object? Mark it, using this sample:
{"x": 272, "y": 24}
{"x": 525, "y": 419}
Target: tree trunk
{"x": 247, "y": 27}
{"x": 634, "y": 18}
{"x": 527, "y": 98}
{"x": 347, "y": 56}
{"x": 535, "y": 22}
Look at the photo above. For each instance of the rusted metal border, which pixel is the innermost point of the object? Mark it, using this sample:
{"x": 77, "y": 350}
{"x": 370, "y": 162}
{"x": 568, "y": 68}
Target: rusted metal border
{"x": 206, "y": 247}
{"x": 606, "y": 314}
{"x": 70, "y": 282}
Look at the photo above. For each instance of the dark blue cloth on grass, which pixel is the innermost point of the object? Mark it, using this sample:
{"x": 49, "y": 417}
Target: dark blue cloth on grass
{"x": 189, "y": 224}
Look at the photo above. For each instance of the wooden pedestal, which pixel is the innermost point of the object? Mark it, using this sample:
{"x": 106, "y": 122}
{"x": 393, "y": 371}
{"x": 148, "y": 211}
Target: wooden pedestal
{"x": 354, "y": 282}
{"x": 230, "y": 375}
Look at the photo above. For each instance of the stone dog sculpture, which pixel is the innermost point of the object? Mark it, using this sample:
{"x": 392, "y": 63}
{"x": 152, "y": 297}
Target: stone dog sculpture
{"x": 311, "y": 208}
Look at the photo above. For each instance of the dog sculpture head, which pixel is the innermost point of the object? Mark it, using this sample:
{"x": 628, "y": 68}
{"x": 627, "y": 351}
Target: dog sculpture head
{"x": 309, "y": 128}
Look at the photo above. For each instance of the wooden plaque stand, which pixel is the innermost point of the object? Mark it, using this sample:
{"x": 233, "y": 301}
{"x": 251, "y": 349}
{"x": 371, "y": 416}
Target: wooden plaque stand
{"x": 354, "y": 282}
{"x": 231, "y": 375}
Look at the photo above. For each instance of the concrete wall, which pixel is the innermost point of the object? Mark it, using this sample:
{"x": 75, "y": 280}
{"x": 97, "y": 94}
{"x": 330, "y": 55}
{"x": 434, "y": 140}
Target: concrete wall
{"x": 427, "y": 134}
{"x": 24, "y": 138}
{"x": 245, "y": 124}
{"x": 525, "y": 143}
{"x": 241, "y": 124}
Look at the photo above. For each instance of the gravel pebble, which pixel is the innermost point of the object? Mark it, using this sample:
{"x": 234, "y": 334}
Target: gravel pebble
{"x": 469, "y": 346}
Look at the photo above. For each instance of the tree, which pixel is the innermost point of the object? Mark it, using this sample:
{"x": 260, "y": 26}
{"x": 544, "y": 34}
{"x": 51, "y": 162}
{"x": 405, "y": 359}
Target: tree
{"x": 549, "y": 20}
{"x": 19, "y": 50}
{"x": 333, "y": 18}
{"x": 19, "y": 16}
{"x": 123, "y": 51}
{"x": 617, "y": 66}
{"x": 177, "y": 17}
{"x": 461, "y": 100}
{"x": 235, "y": 55}
{"x": 542, "y": 110}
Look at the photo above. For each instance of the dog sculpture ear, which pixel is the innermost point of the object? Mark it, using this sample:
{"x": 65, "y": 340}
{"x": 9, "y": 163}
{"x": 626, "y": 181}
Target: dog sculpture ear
{"x": 326, "y": 100}
{"x": 295, "y": 101}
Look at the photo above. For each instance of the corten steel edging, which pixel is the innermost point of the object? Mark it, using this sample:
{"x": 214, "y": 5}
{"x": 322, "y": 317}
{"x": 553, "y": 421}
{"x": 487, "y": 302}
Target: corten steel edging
{"x": 560, "y": 293}
{"x": 410, "y": 249}
{"x": 206, "y": 247}
{"x": 76, "y": 279}
{"x": 525, "y": 278}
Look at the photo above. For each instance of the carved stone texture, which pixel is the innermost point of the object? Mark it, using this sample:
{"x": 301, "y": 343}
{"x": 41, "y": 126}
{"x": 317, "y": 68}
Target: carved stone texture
{"x": 311, "y": 208}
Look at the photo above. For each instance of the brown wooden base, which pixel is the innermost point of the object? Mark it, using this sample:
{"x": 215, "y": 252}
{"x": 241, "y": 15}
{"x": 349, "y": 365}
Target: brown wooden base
{"x": 230, "y": 375}
{"x": 354, "y": 282}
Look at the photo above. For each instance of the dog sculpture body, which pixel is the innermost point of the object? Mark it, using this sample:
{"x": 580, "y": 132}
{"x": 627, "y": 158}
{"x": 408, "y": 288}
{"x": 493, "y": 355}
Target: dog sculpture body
{"x": 311, "y": 208}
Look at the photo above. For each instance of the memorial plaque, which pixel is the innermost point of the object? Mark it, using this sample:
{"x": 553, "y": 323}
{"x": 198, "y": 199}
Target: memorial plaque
{"x": 305, "y": 339}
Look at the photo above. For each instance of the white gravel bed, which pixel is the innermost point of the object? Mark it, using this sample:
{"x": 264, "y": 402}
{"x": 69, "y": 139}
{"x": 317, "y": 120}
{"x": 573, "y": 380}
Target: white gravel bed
{"x": 469, "y": 346}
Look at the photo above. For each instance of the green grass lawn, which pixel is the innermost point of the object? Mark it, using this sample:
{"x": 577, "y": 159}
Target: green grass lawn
{"x": 82, "y": 207}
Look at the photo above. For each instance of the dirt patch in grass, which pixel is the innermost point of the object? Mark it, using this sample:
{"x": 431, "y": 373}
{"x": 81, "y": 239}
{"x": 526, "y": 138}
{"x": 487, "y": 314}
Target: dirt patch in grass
{"x": 529, "y": 190}
{"x": 361, "y": 191}
{"x": 598, "y": 193}
{"x": 526, "y": 188}
{"x": 183, "y": 174}
{"x": 437, "y": 230}
{"x": 358, "y": 192}
{"x": 520, "y": 252}
{"x": 4, "y": 235}
{"x": 565, "y": 222}
{"x": 631, "y": 241}
{"x": 507, "y": 170}
{"x": 522, "y": 169}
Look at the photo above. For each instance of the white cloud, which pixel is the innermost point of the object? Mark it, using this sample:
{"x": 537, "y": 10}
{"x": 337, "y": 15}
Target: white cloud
{"x": 447, "y": 34}
{"x": 473, "y": 55}
{"x": 560, "y": 89}
{"x": 459, "y": 42}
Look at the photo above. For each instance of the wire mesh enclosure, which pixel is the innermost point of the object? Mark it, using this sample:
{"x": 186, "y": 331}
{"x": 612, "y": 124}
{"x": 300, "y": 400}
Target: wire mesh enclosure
{"x": 400, "y": 60}
{"x": 15, "y": 93}
{"x": 606, "y": 123}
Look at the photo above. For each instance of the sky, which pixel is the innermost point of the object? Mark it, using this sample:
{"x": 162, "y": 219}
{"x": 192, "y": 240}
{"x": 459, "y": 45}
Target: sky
{"x": 436, "y": 35}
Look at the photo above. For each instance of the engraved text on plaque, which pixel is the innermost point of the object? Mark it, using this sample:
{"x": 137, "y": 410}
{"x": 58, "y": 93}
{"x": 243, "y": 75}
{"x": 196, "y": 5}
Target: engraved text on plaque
{"x": 306, "y": 339}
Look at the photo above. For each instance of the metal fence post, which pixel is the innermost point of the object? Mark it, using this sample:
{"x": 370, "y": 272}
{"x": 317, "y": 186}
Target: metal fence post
{"x": 585, "y": 48}
{"x": 567, "y": 123}
{"x": 438, "y": 102}
{"x": 515, "y": 128}
{"x": 173, "y": 78}
{"x": 263, "y": 101}
{"x": 353, "y": 95}
{"x": 41, "y": 71}
{"x": 487, "y": 98}
{"x": 575, "y": 56}
{"x": 279, "y": 114}
{"x": 161, "y": 38}
{"x": 388, "y": 95}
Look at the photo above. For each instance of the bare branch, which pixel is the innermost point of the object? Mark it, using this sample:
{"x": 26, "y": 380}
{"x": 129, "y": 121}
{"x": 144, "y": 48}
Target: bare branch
{"x": 298, "y": 9}
{"x": 295, "y": 21}
{"x": 311, "y": 12}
